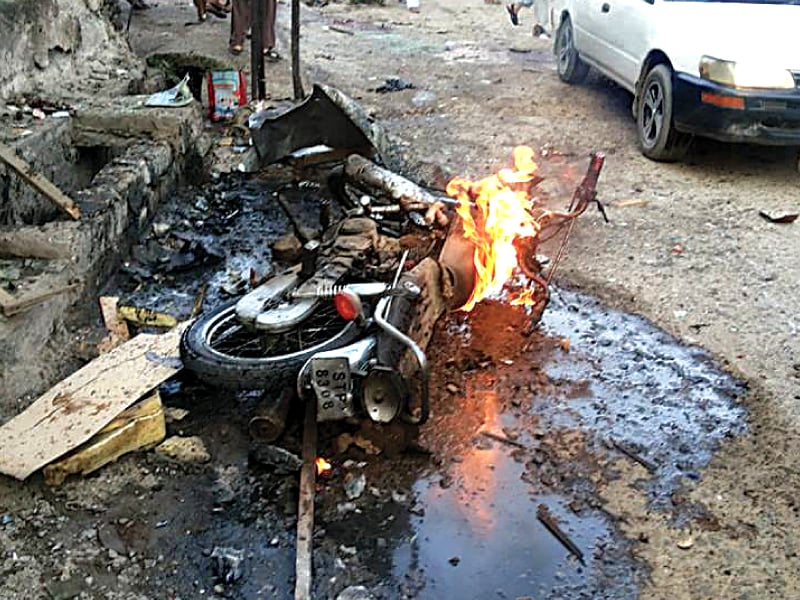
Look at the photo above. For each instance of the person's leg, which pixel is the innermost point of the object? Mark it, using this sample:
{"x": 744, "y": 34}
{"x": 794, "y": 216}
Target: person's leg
{"x": 240, "y": 23}
{"x": 269, "y": 27}
{"x": 513, "y": 12}
{"x": 200, "y": 5}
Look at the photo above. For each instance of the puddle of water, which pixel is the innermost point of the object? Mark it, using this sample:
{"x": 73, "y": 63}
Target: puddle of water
{"x": 479, "y": 535}
{"x": 622, "y": 380}
{"x": 488, "y": 526}
{"x": 639, "y": 386}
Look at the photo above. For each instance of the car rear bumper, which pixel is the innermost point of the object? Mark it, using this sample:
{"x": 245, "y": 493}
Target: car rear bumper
{"x": 766, "y": 117}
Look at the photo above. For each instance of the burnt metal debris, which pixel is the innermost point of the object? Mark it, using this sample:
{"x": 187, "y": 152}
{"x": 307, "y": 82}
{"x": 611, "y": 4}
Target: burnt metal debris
{"x": 394, "y": 84}
{"x": 227, "y": 563}
{"x": 327, "y": 117}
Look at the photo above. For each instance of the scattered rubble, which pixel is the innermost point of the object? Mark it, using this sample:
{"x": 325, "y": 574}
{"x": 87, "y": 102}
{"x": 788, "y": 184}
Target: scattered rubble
{"x": 227, "y": 563}
{"x": 782, "y": 219}
{"x": 279, "y": 458}
{"x": 355, "y": 592}
{"x": 176, "y": 247}
{"x": 354, "y": 485}
{"x": 394, "y": 84}
{"x": 187, "y": 450}
{"x": 174, "y": 415}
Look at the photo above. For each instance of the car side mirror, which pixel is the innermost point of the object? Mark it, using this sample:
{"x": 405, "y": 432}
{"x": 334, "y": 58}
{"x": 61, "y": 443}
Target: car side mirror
{"x": 650, "y": 1}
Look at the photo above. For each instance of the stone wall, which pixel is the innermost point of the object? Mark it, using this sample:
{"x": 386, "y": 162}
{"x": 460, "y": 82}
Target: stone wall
{"x": 150, "y": 153}
{"x": 51, "y": 152}
{"x": 63, "y": 49}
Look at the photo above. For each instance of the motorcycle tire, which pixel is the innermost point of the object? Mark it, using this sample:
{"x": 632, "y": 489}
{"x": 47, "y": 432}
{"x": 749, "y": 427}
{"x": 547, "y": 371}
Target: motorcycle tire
{"x": 219, "y": 369}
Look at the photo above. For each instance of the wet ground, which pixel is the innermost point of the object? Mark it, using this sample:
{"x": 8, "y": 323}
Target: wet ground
{"x": 590, "y": 381}
{"x": 519, "y": 421}
{"x": 457, "y": 516}
{"x": 692, "y": 255}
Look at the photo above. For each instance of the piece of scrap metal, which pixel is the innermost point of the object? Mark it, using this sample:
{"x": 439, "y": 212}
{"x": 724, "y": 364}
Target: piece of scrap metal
{"x": 326, "y": 117}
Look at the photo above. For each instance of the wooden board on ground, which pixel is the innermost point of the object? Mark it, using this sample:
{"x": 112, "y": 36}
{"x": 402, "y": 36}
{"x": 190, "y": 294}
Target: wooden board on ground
{"x": 305, "y": 512}
{"x": 80, "y": 406}
{"x": 39, "y": 182}
{"x": 139, "y": 427}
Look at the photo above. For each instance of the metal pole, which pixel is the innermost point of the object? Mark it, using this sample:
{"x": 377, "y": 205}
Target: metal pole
{"x": 258, "y": 17}
{"x": 297, "y": 82}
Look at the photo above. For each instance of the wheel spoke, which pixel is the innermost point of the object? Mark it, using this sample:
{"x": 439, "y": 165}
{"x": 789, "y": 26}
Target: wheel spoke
{"x": 225, "y": 335}
{"x": 658, "y": 120}
{"x": 647, "y": 121}
{"x": 229, "y": 337}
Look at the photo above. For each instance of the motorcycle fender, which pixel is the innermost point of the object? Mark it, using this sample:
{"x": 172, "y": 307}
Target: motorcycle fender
{"x": 251, "y": 305}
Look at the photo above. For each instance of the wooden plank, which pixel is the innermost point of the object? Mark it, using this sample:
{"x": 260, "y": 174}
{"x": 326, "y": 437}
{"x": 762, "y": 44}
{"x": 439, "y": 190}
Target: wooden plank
{"x": 11, "y": 305}
{"x": 140, "y": 427}
{"x": 118, "y": 331}
{"x": 80, "y": 406}
{"x": 305, "y": 512}
{"x": 39, "y": 182}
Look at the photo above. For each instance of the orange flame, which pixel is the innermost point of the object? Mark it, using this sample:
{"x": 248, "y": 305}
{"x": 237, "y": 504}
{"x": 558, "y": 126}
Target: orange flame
{"x": 323, "y": 466}
{"x": 495, "y": 212}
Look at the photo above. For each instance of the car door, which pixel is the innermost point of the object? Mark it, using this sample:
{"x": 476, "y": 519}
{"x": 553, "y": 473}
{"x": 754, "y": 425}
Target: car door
{"x": 627, "y": 33}
{"x": 592, "y": 37}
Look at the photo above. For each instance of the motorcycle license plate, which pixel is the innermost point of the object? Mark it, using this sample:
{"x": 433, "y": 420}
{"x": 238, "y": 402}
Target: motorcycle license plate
{"x": 330, "y": 378}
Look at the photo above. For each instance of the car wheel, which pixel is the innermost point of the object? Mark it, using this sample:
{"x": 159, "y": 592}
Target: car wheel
{"x": 571, "y": 69}
{"x": 658, "y": 139}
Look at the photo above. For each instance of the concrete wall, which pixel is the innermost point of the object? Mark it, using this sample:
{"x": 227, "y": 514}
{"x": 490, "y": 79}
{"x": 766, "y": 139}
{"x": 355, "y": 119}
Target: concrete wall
{"x": 62, "y": 49}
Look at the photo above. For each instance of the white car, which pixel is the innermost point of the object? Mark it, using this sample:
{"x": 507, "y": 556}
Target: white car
{"x": 728, "y": 70}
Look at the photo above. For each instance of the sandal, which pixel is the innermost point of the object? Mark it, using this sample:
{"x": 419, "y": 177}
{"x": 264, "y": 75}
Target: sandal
{"x": 236, "y": 49}
{"x": 271, "y": 55}
{"x": 217, "y": 10}
{"x": 513, "y": 14}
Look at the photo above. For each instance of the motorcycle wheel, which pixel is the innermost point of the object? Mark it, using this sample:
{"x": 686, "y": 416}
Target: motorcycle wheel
{"x": 221, "y": 352}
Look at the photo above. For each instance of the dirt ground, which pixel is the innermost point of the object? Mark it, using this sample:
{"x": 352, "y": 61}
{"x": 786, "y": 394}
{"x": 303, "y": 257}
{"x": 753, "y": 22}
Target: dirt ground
{"x": 695, "y": 259}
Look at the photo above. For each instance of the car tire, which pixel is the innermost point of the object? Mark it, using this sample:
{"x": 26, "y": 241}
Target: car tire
{"x": 658, "y": 139}
{"x": 571, "y": 69}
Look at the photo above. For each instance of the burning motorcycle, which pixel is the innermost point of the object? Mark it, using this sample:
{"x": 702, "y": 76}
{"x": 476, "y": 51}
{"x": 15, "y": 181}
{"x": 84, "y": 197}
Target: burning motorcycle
{"x": 357, "y": 345}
